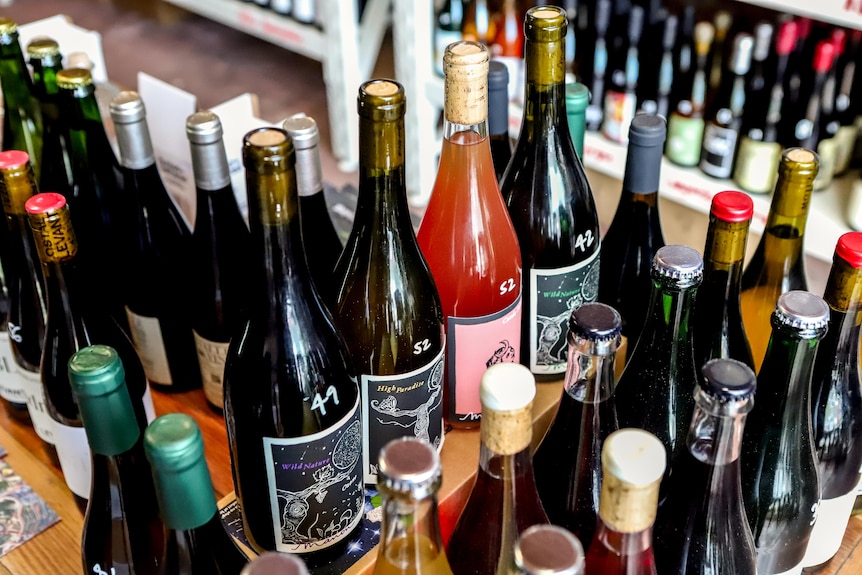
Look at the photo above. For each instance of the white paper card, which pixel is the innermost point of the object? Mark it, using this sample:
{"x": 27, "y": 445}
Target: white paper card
{"x": 71, "y": 38}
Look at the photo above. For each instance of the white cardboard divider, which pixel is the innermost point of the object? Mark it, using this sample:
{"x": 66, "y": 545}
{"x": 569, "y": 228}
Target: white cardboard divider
{"x": 71, "y": 38}
{"x": 167, "y": 110}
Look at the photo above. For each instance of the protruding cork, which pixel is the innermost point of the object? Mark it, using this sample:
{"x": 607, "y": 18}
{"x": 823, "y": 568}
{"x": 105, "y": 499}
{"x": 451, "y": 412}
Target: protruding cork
{"x": 465, "y": 65}
{"x": 507, "y": 391}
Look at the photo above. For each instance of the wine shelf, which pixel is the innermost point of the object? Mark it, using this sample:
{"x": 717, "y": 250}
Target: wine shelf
{"x": 846, "y": 13}
{"x": 347, "y": 46}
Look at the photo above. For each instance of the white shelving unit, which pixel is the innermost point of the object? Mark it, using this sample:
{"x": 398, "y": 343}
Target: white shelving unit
{"x": 347, "y": 48}
{"x": 690, "y": 187}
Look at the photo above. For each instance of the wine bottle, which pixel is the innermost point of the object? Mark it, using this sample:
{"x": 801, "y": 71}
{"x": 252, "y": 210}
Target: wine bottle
{"x": 11, "y": 386}
{"x": 780, "y": 484}
{"x": 550, "y": 202}
{"x": 314, "y": 220}
{"x": 778, "y": 263}
{"x": 567, "y": 463}
{"x": 408, "y": 479}
{"x": 701, "y": 526}
{"x": 664, "y": 353}
{"x": 624, "y": 70}
{"x": 656, "y": 72}
{"x": 386, "y": 303}
{"x": 97, "y": 203}
{"x": 633, "y": 463}
{"x": 756, "y": 167}
{"x": 157, "y": 295}
{"x": 596, "y": 77}
{"x": 122, "y": 531}
{"x": 498, "y": 116}
{"x": 684, "y": 58}
{"x": 635, "y": 235}
{"x": 686, "y": 123}
{"x": 290, "y": 393}
{"x": 507, "y": 45}
{"x": 447, "y": 29}
{"x": 504, "y": 500}
{"x": 273, "y": 563}
{"x": 27, "y": 302}
{"x": 74, "y": 320}
{"x": 724, "y": 114}
{"x": 827, "y": 138}
{"x": 577, "y": 100}
{"x": 723, "y": 21}
{"x": 197, "y": 543}
{"x": 220, "y": 254}
{"x": 803, "y": 129}
{"x": 717, "y": 322}
{"x": 479, "y": 25}
{"x": 22, "y": 120}
{"x": 836, "y": 402}
{"x": 548, "y": 550}
{"x": 793, "y": 107}
{"x": 55, "y": 169}
{"x": 469, "y": 243}
{"x": 846, "y": 96}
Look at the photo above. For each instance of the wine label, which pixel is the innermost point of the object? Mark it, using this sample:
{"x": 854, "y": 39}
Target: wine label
{"x": 684, "y": 136}
{"x": 716, "y": 158}
{"x": 475, "y": 344}
{"x": 211, "y": 357}
{"x": 756, "y": 167}
{"x": 146, "y": 334}
{"x": 832, "y": 518}
{"x": 619, "y": 111}
{"x": 555, "y": 294}
{"x": 149, "y": 407}
{"x": 397, "y": 405}
{"x": 846, "y": 138}
{"x": 73, "y": 451}
{"x": 827, "y": 150}
{"x": 11, "y": 386}
{"x": 34, "y": 392}
{"x": 315, "y": 485}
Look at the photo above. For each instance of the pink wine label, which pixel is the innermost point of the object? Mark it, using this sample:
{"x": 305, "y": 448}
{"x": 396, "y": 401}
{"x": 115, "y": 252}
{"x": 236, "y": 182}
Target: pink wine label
{"x": 555, "y": 294}
{"x": 403, "y": 404}
{"x": 315, "y": 485}
{"x": 475, "y": 344}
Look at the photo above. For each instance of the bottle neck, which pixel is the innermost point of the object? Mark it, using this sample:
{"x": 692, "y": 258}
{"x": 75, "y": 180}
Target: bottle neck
{"x": 309, "y": 175}
{"x": 210, "y": 166}
{"x": 724, "y": 253}
{"x": 382, "y": 197}
{"x": 715, "y": 435}
{"x": 79, "y": 106}
{"x": 788, "y": 213}
{"x": 185, "y": 494}
{"x": 45, "y": 78}
{"x": 843, "y": 293}
{"x": 110, "y": 420}
{"x": 643, "y": 170}
{"x": 786, "y": 371}
{"x": 136, "y": 149}
{"x": 668, "y": 317}
{"x": 410, "y": 530}
{"x": 545, "y": 91}
{"x": 13, "y": 74}
{"x": 590, "y": 375}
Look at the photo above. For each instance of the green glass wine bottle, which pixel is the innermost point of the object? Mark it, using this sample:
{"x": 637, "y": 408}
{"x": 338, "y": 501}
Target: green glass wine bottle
{"x": 550, "y": 202}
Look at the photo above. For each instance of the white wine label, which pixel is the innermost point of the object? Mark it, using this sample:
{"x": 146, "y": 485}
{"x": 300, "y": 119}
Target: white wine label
{"x": 555, "y": 294}
{"x": 315, "y": 485}
{"x": 397, "y": 405}
{"x": 42, "y": 421}
{"x": 147, "y": 336}
{"x": 827, "y": 151}
{"x": 11, "y": 386}
{"x": 719, "y": 144}
{"x": 73, "y": 451}
{"x": 475, "y": 344}
{"x": 211, "y": 357}
{"x": 149, "y": 407}
{"x": 832, "y": 518}
{"x": 756, "y": 167}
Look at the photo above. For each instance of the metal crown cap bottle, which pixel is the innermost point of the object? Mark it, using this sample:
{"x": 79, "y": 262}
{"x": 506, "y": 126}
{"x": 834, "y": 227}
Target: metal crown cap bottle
{"x": 681, "y": 264}
{"x": 728, "y": 380}
{"x": 7, "y": 28}
{"x": 175, "y": 449}
{"x": 133, "y": 136}
{"x": 410, "y": 466}
{"x": 549, "y": 550}
{"x": 803, "y": 311}
{"x": 598, "y": 324}
{"x": 209, "y": 162}
{"x": 73, "y": 78}
{"x": 43, "y": 48}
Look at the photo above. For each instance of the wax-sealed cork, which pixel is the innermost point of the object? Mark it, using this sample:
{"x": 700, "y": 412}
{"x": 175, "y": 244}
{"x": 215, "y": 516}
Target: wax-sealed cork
{"x": 465, "y": 65}
{"x": 507, "y": 432}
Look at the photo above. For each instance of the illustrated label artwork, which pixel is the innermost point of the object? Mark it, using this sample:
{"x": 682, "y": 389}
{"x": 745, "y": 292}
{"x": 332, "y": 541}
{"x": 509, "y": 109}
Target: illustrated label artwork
{"x": 475, "y": 344}
{"x": 211, "y": 357}
{"x": 146, "y": 334}
{"x": 555, "y": 294}
{"x": 315, "y": 485}
{"x": 397, "y": 405}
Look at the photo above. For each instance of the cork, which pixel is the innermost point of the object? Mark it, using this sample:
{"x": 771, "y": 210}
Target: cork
{"x": 625, "y": 507}
{"x": 507, "y": 432}
{"x": 465, "y": 65}
{"x": 266, "y": 138}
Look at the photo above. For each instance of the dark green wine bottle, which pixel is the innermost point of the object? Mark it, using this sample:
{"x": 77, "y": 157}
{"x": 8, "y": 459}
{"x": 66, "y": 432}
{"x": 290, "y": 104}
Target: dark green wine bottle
{"x": 197, "y": 542}
{"x": 655, "y": 389}
{"x": 159, "y": 246}
{"x": 55, "y": 169}
{"x": 498, "y": 116}
{"x": 387, "y": 305}
{"x": 291, "y": 399}
{"x": 718, "y": 328}
{"x": 221, "y": 253}
{"x": 635, "y": 235}
{"x": 550, "y": 202}
{"x": 22, "y": 119}
{"x": 75, "y": 319}
{"x": 122, "y": 532}
{"x": 780, "y": 483}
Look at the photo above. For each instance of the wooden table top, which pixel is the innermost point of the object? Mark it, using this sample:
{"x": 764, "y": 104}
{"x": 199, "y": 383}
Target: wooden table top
{"x": 57, "y": 550}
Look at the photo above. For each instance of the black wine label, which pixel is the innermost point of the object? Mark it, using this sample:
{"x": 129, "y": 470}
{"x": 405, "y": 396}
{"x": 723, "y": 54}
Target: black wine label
{"x": 397, "y": 405}
{"x": 555, "y": 294}
{"x": 719, "y": 144}
{"x": 315, "y": 485}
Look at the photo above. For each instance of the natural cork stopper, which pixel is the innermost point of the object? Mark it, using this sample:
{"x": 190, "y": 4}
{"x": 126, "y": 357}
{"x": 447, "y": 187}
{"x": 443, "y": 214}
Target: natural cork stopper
{"x": 507, "y": 432}
{"x": 465, "y": 65}
{"x": 382, "y": 88}
{"x": 627, "y": 508}
{"x": 266, "y": 138}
